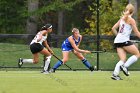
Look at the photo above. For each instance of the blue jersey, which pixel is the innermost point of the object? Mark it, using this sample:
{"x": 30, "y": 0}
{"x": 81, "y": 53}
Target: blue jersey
{"x": 66, "y": 45}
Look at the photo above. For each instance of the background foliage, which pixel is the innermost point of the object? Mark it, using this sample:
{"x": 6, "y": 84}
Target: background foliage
{"x": 11, "y": 19}
{"x": 110, "y": 13}
{"x": 77, "y": 13}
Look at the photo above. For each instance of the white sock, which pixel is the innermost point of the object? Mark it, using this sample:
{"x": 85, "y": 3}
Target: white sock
{"x": 47, "y": 63}
{"x": 117, "y": 68}
{"x": 27, "y": 60}
{"x": 130, "y": 61}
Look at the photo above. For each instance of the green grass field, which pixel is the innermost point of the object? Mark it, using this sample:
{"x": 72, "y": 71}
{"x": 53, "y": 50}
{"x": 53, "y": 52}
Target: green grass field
{"x": 67, "y": 82}
{"x": 10, "y": 53}
{"x": 29, "y": 80}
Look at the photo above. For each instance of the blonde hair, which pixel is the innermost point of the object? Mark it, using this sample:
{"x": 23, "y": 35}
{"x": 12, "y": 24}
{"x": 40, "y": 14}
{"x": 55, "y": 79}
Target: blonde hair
{"x": 129, "y": 8}
{"x": 75, "y": 30}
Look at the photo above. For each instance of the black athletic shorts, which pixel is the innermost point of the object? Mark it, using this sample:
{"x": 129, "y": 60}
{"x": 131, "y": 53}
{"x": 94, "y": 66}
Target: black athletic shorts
{"x": 36, "y": 47}
{"x": 127, "y": 43}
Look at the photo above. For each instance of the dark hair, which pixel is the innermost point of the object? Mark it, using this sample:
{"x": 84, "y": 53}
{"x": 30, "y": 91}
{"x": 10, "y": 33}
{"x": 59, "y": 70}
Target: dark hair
{"x": 47, "y": 26}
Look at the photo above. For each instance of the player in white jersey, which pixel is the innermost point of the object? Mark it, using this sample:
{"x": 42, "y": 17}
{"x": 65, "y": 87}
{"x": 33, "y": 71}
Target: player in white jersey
{"x": 37, "y": 46}
{"x": 122, "y": 42}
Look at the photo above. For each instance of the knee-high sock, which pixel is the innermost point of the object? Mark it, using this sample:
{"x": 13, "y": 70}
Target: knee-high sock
{"x": 27, "y": 60}
{"x": 47, "y": 63}
{"x": 130, "y": 61}
{"x": 117, "y": 68}
{"x": 86, "y": 63}
{"x": 58, "y": 64}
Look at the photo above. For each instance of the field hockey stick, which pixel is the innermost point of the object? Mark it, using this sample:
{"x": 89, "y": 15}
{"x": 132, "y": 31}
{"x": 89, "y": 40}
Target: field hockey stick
{"x": 99, "y": 51}
{"x": 135, "y": 41}
{"x": 64, "y": 64}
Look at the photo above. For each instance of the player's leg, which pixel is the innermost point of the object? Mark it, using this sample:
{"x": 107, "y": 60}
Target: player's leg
{"x": 132, "y": 49}
{"x": 84, "y": 60}
{"x": 34, "y": 60}
{"x": 35, "y": 49}
{"x": 59, "y": 63}
{"x": 122, "y": 55}
{"x": 135, "y": 55}
{"x": 44, "y": 61}
{"x": 47, "y": 60}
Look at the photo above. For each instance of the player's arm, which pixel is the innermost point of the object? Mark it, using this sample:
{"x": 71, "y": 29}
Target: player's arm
{"x": 114, "y": 28}
{"x": 79, "y": 41}
{"x": 134, "y": 27}
{"x": 75, "y": 47}
{"x": 45, "y": 43}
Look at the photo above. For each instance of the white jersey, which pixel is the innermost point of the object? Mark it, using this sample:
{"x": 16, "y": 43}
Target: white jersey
{"x": 37, "y": 37}
{"x": 124, "y": 32}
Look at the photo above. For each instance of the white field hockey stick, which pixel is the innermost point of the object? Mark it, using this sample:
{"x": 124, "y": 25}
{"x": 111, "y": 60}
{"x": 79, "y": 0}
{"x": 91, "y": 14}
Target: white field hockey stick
{"x": 135, "y": 41}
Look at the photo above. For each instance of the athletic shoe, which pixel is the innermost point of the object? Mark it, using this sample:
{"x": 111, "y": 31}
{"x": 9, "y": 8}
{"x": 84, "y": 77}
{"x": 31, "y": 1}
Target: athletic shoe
{"x": 20, "y": 63}
{"x": 125, "y": 71}
{"x": 52, "y": 71}
{"x": 42, "y": 71}
{"x": 46, "y": 72}
{"x": 91, "y": 68}
{"x": 114, "y": 77}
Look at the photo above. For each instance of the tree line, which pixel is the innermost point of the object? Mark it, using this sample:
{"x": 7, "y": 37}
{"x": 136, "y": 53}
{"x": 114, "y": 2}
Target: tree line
{"x": 27, "y": 16}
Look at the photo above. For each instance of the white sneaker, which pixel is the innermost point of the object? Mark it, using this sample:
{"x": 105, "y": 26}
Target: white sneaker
{"x": 52, "y": 71}
{"x": 125, "y": 71}
{"x": 114, "y": 77}
{"x": 46, "y": 72}
{"x": 20, "y": 63}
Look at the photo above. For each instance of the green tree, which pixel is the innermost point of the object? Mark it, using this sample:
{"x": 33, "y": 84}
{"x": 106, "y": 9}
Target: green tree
{"x": 11, "y": 20}
{"x": 110, "y": 13}
{"x": 56, "y": 10}
{"x": 14, "y": 13}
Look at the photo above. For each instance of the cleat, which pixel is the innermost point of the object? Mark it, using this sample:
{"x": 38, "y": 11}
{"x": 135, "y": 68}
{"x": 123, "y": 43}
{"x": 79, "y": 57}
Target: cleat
{"x": 125, "y": 71}
{"x": 91, "y": 68}
{"x": 52, "y": 71}
{"x": 20, "y": 63}
{"x": 114, "y": 77}
{"x": 46, "y": 72}
{"x": 42, "y": 71}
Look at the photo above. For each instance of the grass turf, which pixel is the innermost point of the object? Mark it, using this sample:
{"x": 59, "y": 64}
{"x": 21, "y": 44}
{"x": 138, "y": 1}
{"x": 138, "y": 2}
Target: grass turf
{"x": 10, "y": 53}
{"x": 67, "y": 82}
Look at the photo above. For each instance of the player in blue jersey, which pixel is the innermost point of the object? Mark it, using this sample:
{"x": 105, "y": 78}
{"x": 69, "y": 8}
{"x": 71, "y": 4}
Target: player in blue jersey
{"x": 71, "y": 44}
